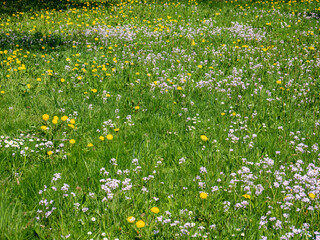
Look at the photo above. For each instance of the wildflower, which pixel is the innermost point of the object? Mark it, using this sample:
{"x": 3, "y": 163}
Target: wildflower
{"x": 200, "y": 66}
{"x": 94, "y": 90}
{"x": 131, "y": 219}
{"x": 140, "y": 224}
{"x": 155, "y": 210}
{"x": 101, "y": 138}
{"x": 44, "y": 127}
{"x": 279, "y": 82}
{"x": 203, "y": 195}
{"x": 179, "y": 88}
{"x": 49, "y": 153}
{"x": 116, "y": 129}
{"x": 54, "y": 121}
{"x": 109, "y": 137}
{"x": 204, "y": 138}
{"x": 90, "y": 145}
{"x": 312, "y": 195}
{"x": 62, "y": 80}
{"x": 56, "y": 118}
{"x": 222, "y": 114}
{"x": 64, "y": 118}
{"x": 45, "y": 117}
{"x": 193, "y": 43}
{"x": 72, "y": 121}
{"x": 136, "y": 107}
{"x": 247, "y": 196}
{"x": 72, "y": 141}
{"x": 71, "y": 125}
{"x": 233, "y": 114}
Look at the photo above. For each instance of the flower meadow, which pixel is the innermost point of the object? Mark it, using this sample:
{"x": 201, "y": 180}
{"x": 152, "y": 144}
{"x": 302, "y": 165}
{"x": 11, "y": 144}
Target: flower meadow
{"x": 159, "y": 119}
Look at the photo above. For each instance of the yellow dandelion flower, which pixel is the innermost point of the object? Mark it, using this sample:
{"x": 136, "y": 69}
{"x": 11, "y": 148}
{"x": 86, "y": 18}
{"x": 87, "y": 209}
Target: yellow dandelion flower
{"x": 109, "y": 137}
{"x": 179, "y": 88}
{"x": 72, "y": 141}
{"x": 140, "y": 224}
{"x": 72, "y": 121}
{"x": 101, "y": 138}
{"x": 203, "y": 195}
{"x": 204, "y": 138}
{"x": 49, "y": 153}
{"x": 45, "y": 117}
{"x": 116, "y": 129}
{"x": 64, "y": 118}
{"x": 247, "y": 196}
{"x": 200, "y": 66}
{"x": 136, "y": 107}
{"x": 155, "y": 210}
{"x": 44, "y": 127}
{"x": 131, "y": 219}
{"x": 312, "y": 195}
{"x": 90, "y": 145}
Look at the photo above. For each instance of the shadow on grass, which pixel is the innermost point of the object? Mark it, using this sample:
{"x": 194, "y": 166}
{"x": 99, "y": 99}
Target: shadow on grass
{"x": 13, "y": 6}
{"x": 35, "y": 41}
{"x": 314, "y": 15}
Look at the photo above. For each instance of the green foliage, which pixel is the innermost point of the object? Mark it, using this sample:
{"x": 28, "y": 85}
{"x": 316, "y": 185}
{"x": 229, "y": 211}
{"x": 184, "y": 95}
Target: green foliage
{"x": 110, "y": 108}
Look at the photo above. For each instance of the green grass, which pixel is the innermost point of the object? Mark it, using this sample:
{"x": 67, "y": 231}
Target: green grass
{"x": 139, "y": 84}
